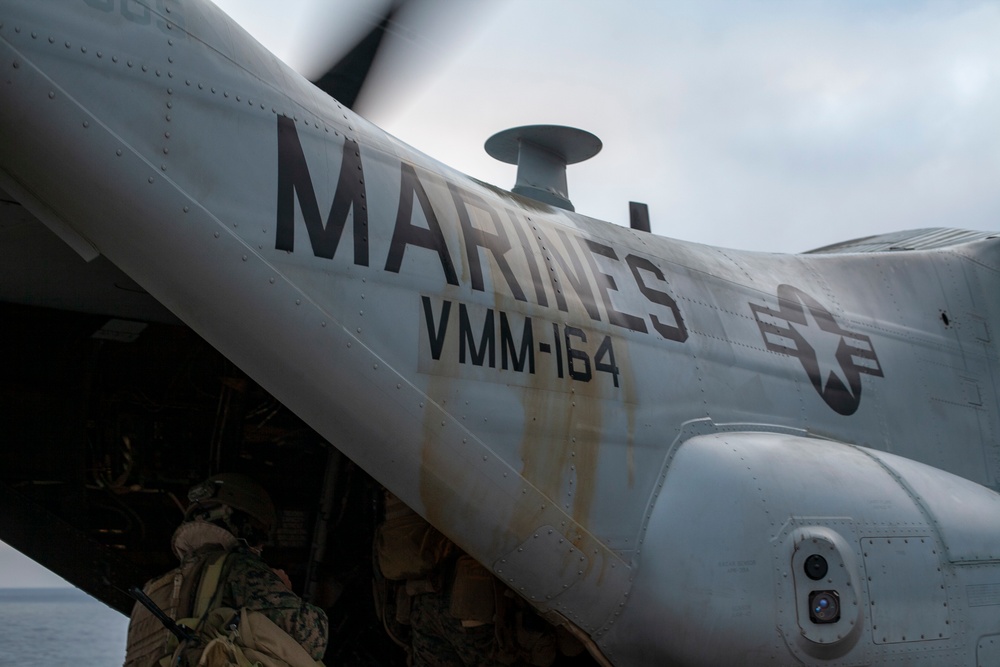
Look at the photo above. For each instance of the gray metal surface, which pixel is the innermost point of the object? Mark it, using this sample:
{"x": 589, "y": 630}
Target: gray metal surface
{"x": 687, "y": 421}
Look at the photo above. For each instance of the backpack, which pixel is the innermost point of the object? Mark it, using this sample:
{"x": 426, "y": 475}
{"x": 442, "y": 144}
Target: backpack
{"x": 181, "y": 593}
{"x": 406, "y": 546}
{"x": 191, "y": 594}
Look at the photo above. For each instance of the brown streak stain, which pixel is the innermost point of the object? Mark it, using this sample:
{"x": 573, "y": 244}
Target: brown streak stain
{"x": 560, "y": 448}
{"x": 629, "y": 400}
{"x": 457, "y": 500}
{"x": 586, "y": 455}
{"x": 432, "y": 458}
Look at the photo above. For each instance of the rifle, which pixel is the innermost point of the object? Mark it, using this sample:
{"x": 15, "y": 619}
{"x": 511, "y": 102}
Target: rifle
{"x": 179, "y": 631}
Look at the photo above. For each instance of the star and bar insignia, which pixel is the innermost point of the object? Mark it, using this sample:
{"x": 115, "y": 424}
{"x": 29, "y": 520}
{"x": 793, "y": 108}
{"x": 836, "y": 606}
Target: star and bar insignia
{"x": 833, "y": 357}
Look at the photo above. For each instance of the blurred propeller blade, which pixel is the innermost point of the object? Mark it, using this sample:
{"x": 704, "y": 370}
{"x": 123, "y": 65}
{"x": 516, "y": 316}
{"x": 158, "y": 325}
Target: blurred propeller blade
{"x": 345, "y": 79}
{"x": 408, "y": 41}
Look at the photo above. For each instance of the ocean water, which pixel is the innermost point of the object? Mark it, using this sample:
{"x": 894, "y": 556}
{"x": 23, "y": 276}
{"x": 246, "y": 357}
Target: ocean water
{"x": 56, "y": 627}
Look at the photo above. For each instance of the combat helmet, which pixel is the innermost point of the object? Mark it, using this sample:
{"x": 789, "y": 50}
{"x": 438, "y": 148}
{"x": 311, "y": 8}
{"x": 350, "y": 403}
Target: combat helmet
{"x": 238, "y": 492}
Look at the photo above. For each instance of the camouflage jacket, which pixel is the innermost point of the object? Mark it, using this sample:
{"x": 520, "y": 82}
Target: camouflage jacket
{"x": 250, "y": 583}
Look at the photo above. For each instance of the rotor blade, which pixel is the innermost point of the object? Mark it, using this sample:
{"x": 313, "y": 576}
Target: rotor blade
{"x": 411, "y": 40}
{"x": 345, "y": 79}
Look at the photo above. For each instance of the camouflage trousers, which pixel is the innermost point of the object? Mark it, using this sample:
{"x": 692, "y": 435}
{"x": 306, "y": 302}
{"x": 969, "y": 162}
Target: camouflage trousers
{"x": 439, "y": 640}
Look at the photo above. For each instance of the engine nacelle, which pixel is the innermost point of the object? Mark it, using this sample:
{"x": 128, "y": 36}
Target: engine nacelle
{"x": 769, "y": 549}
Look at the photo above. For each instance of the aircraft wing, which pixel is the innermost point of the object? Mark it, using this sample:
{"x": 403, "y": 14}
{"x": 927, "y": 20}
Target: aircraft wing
{"x": 919, "y": 239}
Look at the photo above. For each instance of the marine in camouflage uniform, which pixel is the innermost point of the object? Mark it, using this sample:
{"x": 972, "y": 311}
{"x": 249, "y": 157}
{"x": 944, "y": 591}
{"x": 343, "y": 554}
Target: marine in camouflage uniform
{"x": 457, "y": 613}
{"x": 231, "y": 516}
{"x": 438, "y": 639}
{"x": 249, "y": 582}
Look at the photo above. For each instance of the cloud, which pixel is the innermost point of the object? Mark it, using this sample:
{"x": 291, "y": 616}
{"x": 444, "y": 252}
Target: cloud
{"x": 766, "y": 125}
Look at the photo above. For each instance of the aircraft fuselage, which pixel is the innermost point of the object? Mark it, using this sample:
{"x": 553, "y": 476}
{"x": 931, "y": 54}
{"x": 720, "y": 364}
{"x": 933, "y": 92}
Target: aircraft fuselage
{"x": 630, "y": 431}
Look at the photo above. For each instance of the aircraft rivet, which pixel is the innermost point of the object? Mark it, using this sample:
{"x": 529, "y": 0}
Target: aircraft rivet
{"x": 118, "y": 152}
{"x": 16, "y": 64}
{"x": 34, "y": 35}
{"x": 375, "y": 367}
{"x": 114, "y": 59}
{"x": 51, "y": 95}
{"x": 186, "y": 209}
{"x": 298, "y": 302}
{"x": 225, "y": 93}
{"x": 348, "y": 345}
{"x": 67, "y": 44}
{"x": 163, "y": 167}
{"x": 52, "y": 40}
{"x": 271, "y": 280}
{"x": 100, "y": 54}
{"x": 216, "y": 234}
{"x": 86, "y": 124}
{"x": 168, "y": 118}
{"x": 150, "y": 180}
{"x": 170, "y": 59}
{"x": 170, "y": 105}
{"x": 145, "y": 68}
{"x": 245, "y": 259}
{"x": 166, "y": 151}
{"x": 83, "y": 49}
{"x": 213, "y": 90}
{"x": 130, "y": 63}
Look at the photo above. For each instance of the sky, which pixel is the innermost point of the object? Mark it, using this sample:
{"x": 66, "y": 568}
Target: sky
{"x": 19, "y": 571}
{"x": 762, "y": 125}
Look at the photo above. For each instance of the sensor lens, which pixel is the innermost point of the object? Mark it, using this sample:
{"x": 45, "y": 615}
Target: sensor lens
{"x": 816, "y": 567}
{"x": 824, "y": 606}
